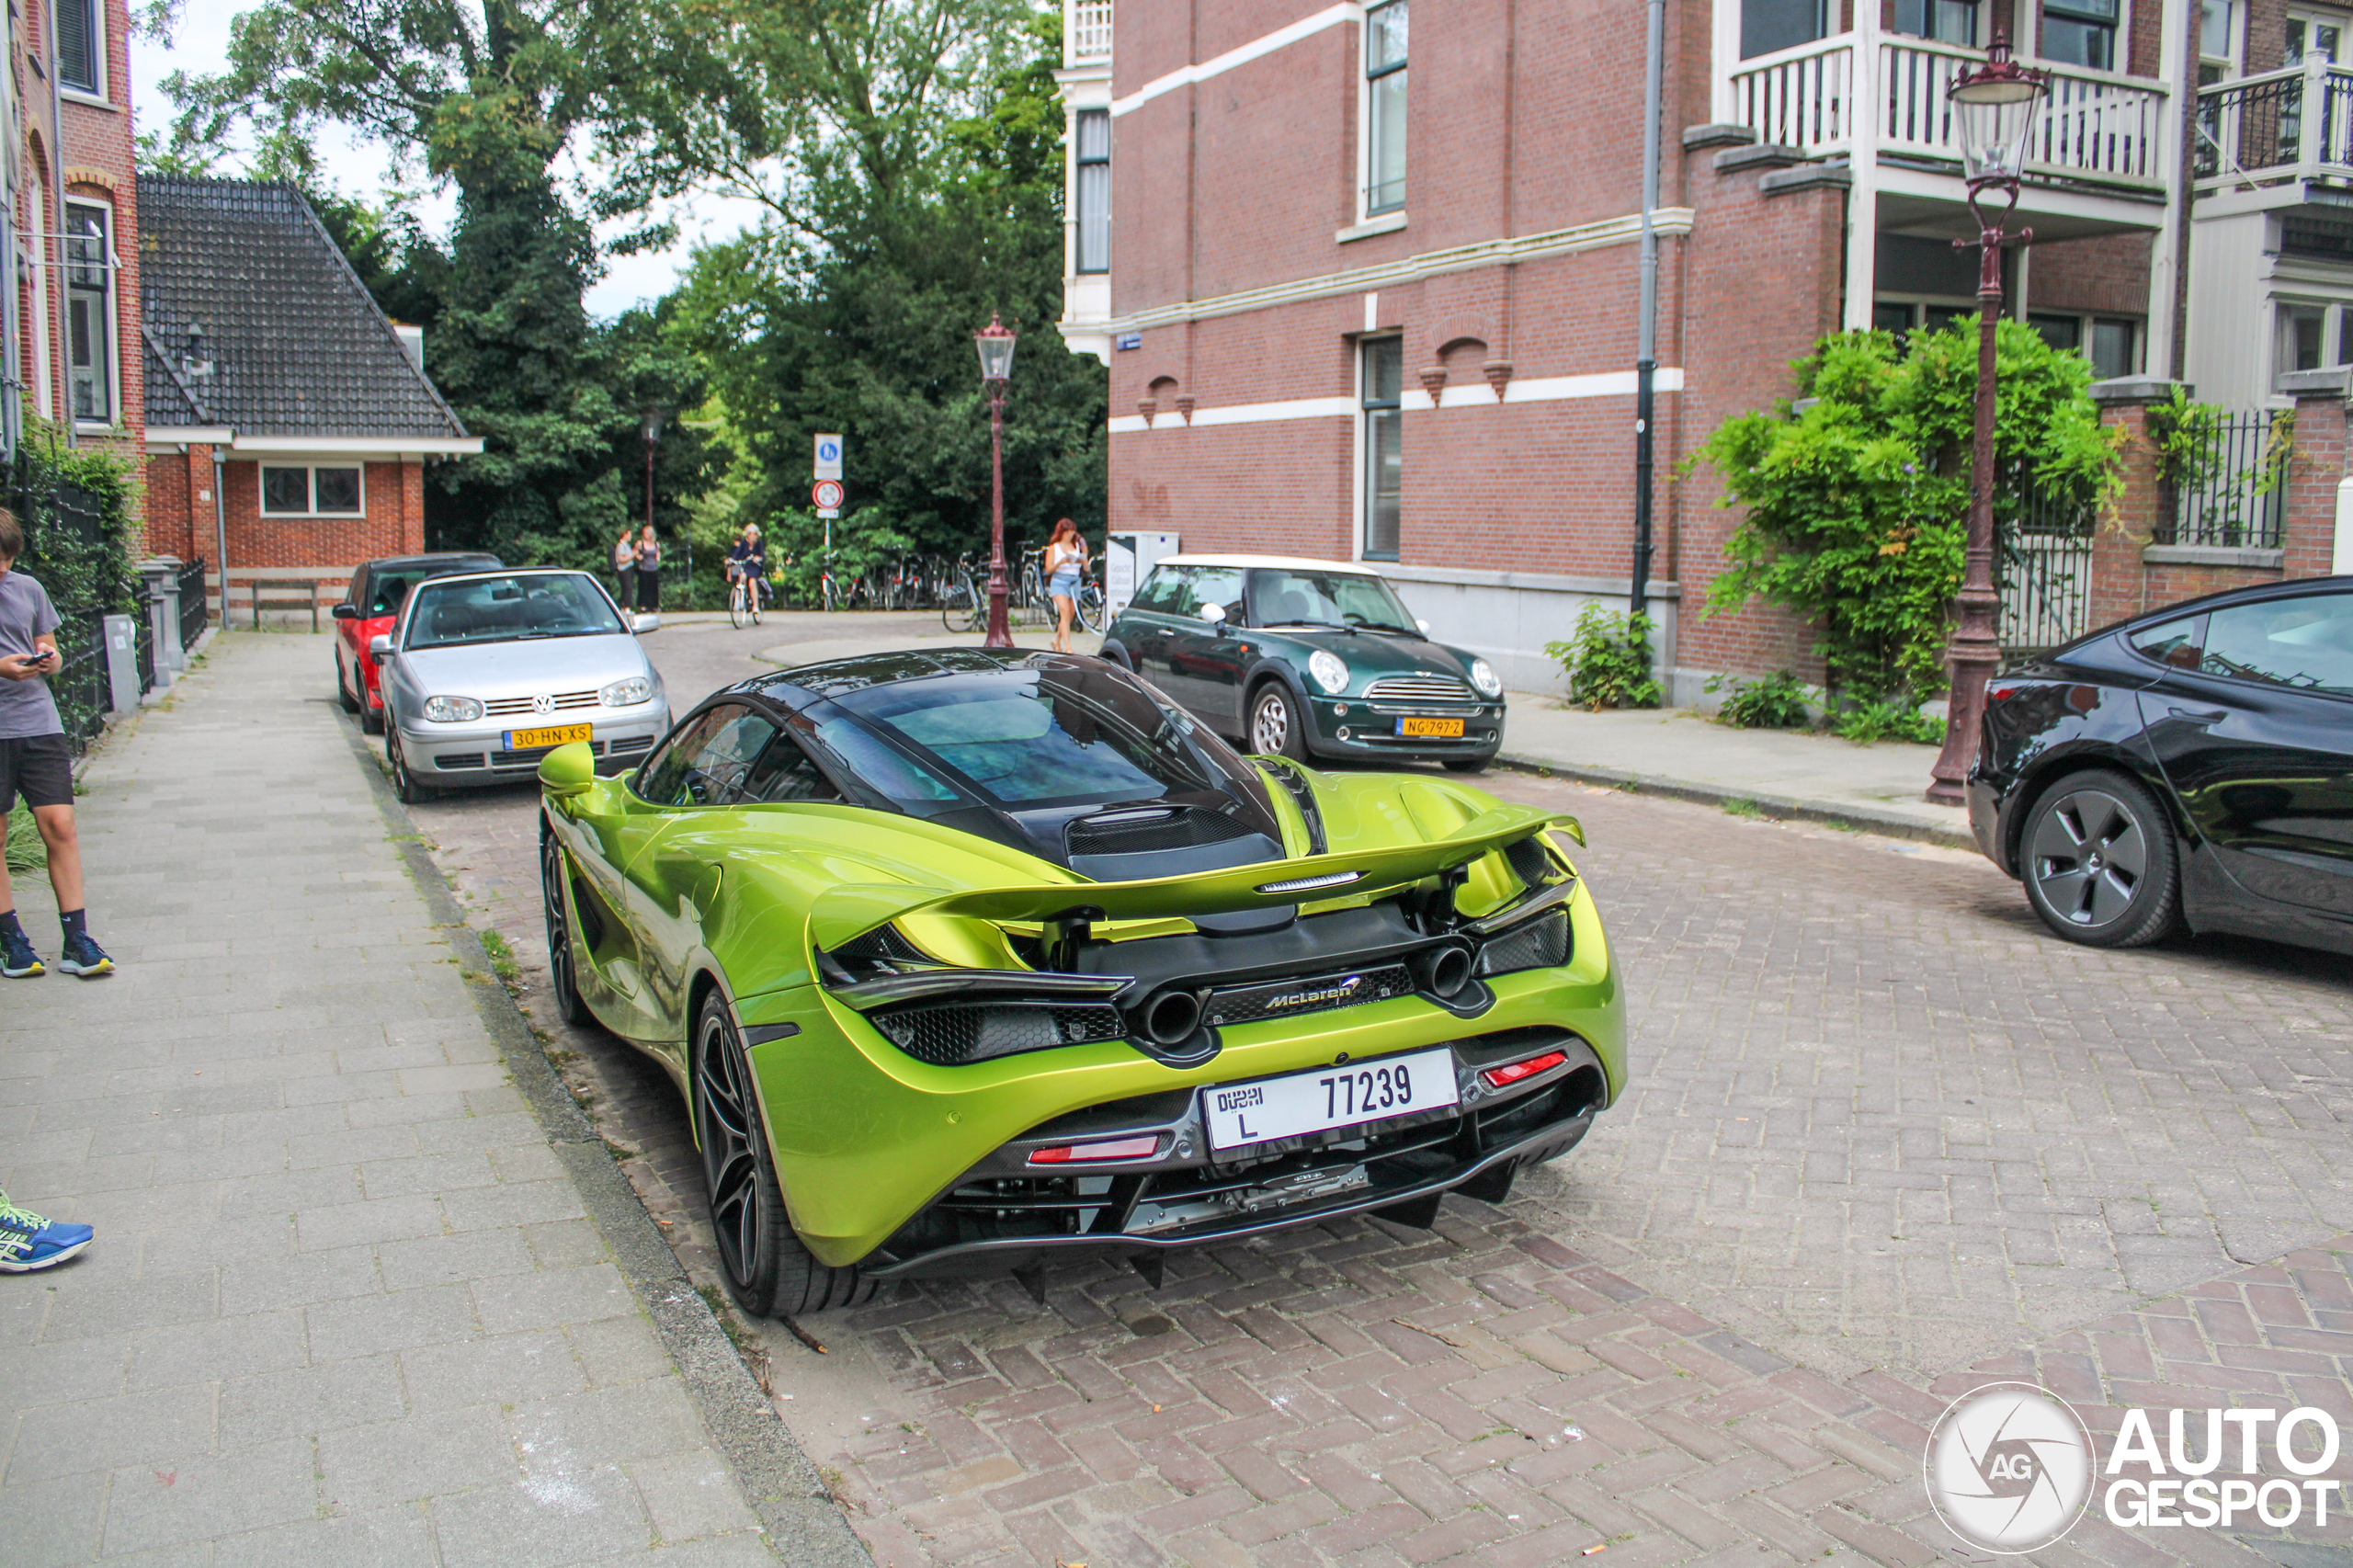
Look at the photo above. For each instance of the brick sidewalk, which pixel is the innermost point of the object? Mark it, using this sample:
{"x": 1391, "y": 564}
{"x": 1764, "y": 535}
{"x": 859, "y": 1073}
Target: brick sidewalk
{"x": 346, "y": 1304}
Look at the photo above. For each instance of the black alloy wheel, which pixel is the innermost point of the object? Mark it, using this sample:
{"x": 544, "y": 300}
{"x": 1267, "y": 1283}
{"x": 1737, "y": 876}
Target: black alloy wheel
{"x": 768, "y": 1272}
{"x": 405, "y": 784}
{"x": 2099, "y": 862}
{"x": 343, "y": 693}
{"x": 1275, "y": 727}
{"x": 564, "y": 978}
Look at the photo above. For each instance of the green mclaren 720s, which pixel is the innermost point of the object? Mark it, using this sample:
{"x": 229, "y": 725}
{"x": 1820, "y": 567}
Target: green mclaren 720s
{"x": 966, "y": 961}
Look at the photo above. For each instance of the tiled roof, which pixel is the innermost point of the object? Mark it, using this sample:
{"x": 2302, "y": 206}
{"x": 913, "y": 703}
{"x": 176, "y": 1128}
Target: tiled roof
{"x": 298, "y": 346}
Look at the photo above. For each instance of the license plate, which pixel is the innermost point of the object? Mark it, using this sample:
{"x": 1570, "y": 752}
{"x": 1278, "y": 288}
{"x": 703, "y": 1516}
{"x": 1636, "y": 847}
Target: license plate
{"x": 553, "y": 735}
{"x": 1435, "y": 729}
{"x": 1317, "y": 1101}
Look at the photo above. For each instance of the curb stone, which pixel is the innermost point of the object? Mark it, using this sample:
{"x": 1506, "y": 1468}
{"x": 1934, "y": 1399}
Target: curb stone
{"x": 1784, "y": 807}
{"x": 805, "y": 1527}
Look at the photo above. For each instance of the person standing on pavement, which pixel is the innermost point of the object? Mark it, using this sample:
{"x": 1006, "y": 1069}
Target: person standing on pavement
{"x": 36, "y": 762}
{"x": 1065, "y": 559}
{"x": 625, "y": 568}
{"x": 649, "y": 571}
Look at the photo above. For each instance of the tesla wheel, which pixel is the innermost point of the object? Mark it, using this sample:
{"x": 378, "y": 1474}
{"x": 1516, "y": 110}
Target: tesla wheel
{"x": 2099, "y": 862}
{"x": 768, "y": 1272}
{"x": 405, "y": 783}
{"x": 563, "y": 978}
{"x": 1274, "y": 729}
{"x": 343, "y": 693}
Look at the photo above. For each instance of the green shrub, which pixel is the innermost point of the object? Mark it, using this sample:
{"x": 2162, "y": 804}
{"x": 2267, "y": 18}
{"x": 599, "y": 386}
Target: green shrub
{"x": 25, "y": 851}
{"x": 1608, "y": 658}
{"x": 1777, "y": 702}
{"x": 1891, "y": 719}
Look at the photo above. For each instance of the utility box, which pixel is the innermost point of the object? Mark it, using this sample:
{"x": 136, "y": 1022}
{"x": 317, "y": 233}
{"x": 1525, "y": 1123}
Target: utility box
{"x": 1128, "y": 558}
{"x": 122, "y": 662}
{"x": 163, "y": 575}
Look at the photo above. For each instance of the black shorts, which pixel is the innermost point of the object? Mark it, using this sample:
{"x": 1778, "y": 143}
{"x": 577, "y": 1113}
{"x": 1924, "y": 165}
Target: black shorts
{"x": 40, "y": 766}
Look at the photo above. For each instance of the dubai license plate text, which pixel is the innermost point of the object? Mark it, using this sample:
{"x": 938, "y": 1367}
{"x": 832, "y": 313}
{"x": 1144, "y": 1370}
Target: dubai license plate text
{"x": 1326, "y": 1098}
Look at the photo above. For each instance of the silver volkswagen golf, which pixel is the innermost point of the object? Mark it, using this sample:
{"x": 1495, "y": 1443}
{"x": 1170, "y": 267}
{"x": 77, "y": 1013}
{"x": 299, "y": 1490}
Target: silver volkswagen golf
{"x": 488, "y": 672}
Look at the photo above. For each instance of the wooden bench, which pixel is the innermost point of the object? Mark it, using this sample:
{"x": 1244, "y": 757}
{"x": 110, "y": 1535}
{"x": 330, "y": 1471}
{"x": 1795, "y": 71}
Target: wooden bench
{"x": 307, "y": 586}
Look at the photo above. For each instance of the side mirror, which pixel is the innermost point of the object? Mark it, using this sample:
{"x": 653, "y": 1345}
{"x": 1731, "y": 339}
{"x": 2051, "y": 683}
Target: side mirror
{"x": 1424, "y": 625}
{"x": 569, "y": 769}
{"x": 379, "y": 648}
{"x": 642, "y": 623}
{"x": 1214, "y": 614}
{"x": 347, "y": 611}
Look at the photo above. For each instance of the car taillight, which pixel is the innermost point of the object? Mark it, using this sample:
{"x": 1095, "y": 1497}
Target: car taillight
{"x": 2003, "y": 690}
{"x": 1082, "y": 1154}
{"x": 1501, "y": 1078}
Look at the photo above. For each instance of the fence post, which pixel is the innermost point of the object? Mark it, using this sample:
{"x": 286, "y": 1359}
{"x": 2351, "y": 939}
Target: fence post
{"x": 2120, "y": 579}
{"x": 2312, "y": 539}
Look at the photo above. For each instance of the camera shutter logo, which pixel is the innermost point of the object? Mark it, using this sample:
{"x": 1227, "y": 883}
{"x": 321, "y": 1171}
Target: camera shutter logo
{"x": 2009, "y": 1467}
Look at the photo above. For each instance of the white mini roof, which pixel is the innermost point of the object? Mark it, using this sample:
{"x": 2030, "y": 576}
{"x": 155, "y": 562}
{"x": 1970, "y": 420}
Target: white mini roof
{"x": 1295, "y": 562}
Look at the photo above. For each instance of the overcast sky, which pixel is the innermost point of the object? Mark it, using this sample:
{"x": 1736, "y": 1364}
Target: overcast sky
{"x": 360, "y": 169}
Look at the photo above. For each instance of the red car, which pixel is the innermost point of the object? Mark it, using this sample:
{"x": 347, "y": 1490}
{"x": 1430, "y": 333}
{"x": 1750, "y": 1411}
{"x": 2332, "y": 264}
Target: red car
{"x": 372, "y": 603}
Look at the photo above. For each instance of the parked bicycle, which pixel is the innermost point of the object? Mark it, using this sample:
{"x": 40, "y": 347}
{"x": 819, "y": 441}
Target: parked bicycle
{"x": 963, "y": 599}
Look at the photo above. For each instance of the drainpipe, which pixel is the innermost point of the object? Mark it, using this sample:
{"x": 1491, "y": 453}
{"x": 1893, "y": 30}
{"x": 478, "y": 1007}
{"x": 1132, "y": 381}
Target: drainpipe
{"x": 56, "y": 218}
{"x": 1646, "y": 348}
{"x": 221, "y": 527}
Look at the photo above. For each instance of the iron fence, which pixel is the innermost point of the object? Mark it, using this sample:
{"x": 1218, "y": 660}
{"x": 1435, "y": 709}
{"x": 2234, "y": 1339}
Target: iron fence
{"x": 143, "y": 637}
{"x": 2225, "y": 481}
{"x": 2042, "y": 567}
{"x": 82, "y": 694}
{"x": 2256, "y": 125}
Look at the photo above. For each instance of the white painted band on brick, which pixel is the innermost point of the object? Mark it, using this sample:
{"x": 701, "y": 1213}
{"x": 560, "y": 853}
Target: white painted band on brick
{"x": 1547, "y": 388}
{"x": 1672, "y": 222}
{"x": 1258, "y": 48}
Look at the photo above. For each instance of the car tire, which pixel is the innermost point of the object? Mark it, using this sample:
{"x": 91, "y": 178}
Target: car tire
{"x": 1467, "y": 764}
{"x": 2099, "y": 863}
{"x": 405, "y": 784}
{"x": 768, "y": 1270}
{"x": 564, "y": 978}
{"x": 343, "y": 693}
{"x": 1275, "y": 728}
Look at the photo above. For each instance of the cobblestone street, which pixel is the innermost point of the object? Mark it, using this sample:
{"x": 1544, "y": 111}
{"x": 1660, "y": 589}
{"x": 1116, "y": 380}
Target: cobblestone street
{"x": 1886, "y": 1139}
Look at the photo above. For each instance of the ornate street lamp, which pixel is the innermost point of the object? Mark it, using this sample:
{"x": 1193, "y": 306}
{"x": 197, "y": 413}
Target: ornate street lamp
{"x": 994, "y": 342}
{"x": 1993, "y": 107}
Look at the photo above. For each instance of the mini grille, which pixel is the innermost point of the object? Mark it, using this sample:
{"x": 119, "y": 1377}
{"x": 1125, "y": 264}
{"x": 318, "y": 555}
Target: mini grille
{"x": 1542, "y": 943}
{"x": 501, "y": 707}
{"x": 951, "y": 1034}
{"x": 881, "y": 944}
{"x": 1184, "y": 828}
{"x": 1527, "y": 860}
{"x": 1417, "y": 688}
{"x": 1313, "y": 994}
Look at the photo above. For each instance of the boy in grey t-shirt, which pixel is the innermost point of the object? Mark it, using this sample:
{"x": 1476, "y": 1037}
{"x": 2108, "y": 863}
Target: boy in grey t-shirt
{"x": 36, "y": 762}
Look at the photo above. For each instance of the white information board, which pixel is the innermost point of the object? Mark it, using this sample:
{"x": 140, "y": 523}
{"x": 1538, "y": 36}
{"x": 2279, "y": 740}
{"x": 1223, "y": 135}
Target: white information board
{"x": 1128, "y": 558}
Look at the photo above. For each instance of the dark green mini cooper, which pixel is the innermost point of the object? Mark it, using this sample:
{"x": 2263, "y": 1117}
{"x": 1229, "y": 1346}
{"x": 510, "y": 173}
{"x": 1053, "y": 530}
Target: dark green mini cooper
{"x": 1308, "y": 659}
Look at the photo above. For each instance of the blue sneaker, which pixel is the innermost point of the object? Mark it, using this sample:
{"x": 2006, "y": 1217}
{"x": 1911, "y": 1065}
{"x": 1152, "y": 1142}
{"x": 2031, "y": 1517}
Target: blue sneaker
{"x": 27, "y": 1241}
{"x": 17, "y": 960}
{"x": 85, "y": 958}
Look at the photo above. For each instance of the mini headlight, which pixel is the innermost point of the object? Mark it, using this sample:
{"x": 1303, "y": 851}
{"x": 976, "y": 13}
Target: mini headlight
{"x": 1329, "y": 672}
{"x": 626, "y": 693}
{"x": 1483, "y": 676}
{"x": 451, "y": 709}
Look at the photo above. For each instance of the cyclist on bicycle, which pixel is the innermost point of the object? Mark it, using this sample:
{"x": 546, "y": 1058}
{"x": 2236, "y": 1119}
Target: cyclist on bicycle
{"x": 747, "y": 560}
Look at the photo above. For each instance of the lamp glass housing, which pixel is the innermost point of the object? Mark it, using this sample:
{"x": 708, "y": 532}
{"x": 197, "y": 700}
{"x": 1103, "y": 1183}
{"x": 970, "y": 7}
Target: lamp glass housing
{"x": 996, "y": 345}
{"x": 1997, "y": 121}
{"x": 650, "y": 425}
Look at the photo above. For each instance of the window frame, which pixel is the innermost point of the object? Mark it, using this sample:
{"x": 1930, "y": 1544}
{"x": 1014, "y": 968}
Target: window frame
{"x": 1369, "y": 410}
{"x": 1081, "y": 161}
{"x": 94, "y": 16}
{"x": 1369, "y": 92}
{"x": 309, "y": 489}
{"x": 1928, "y": 18}
{"x": 74, "y": 292}
{"x": 2083, "y": 13}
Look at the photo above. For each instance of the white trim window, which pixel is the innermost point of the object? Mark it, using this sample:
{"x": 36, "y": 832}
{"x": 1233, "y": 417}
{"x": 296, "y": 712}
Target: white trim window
{"x": 81, "y": 45}
{"x": 1381, "y": 393}
{"x": 89, "y": 315}
{"x": 1384, "y": 108}
{"x": 1091, "y": 152}
{"x": 324, "y": 490}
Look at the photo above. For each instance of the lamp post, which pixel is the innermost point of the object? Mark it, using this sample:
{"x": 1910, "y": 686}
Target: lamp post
{"x": 649, "y": 425}
{"x": 1995, "y": 107}
{"x": 994, "y": 342}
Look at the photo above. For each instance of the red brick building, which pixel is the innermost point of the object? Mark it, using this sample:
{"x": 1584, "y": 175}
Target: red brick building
{"x": 289, "y": 422}
{"x": 69, "y": 269}
{"x": 1366, "y": 275}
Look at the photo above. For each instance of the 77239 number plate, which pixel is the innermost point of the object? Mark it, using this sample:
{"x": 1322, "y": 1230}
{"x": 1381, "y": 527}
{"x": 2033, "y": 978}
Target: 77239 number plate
{"x": 1318, "y": 1100}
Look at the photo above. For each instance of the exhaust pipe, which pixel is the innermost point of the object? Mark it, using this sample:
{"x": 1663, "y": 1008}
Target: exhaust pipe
{"x": 1443, "y": 971}
{"x": 1169, "y": 1017}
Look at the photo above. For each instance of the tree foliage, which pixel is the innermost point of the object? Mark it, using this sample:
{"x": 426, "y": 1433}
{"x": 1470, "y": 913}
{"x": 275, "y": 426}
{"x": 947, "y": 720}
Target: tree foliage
{"x": 1857, "y": 504}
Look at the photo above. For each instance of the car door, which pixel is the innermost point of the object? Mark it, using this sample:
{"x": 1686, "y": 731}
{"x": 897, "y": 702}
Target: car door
{"x": 347, "y": 629}
{"x": 673, "y": 873}
{"x": 1205, "y": 657}
{"x": 2255, "y": 737}
{"x": 1144, "y": 626}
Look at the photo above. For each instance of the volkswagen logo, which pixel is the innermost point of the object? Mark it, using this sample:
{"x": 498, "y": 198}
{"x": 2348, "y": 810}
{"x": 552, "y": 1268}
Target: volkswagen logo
{"x": 543, "y": 704}
{"x": 2009, "y": 1467}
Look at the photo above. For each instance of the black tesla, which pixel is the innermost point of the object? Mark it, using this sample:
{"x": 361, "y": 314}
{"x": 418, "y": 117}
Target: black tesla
{"x": 2191, "y": 766}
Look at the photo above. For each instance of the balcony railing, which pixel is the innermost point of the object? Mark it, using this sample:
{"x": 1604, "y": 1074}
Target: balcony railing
{"x": 1086, "y": 30}
{"x": 2280, "y": 126}
{"x": 2094, "y": 125}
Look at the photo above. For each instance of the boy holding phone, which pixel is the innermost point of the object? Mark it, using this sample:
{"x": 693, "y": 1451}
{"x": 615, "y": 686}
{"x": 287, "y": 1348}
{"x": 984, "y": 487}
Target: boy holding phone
{"x": 36, "y": 762}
